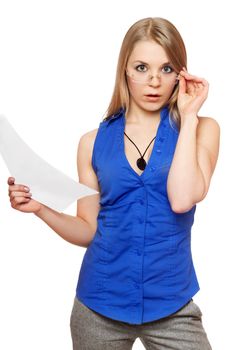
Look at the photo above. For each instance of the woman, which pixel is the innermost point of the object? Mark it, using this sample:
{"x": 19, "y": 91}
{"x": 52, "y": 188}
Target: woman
{"x": 151, "y": 159}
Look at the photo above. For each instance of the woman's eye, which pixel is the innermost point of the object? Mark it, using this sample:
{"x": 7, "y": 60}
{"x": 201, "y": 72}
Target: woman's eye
{"x": 168, "y": 69}
{"x": 140, "y": 68}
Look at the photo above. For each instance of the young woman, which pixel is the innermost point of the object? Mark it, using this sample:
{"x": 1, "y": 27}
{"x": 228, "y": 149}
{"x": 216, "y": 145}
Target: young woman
{"x": 151, "y": 159}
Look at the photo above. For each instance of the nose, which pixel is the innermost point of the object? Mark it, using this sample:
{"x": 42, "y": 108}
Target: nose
{"x": 155, "y": 79}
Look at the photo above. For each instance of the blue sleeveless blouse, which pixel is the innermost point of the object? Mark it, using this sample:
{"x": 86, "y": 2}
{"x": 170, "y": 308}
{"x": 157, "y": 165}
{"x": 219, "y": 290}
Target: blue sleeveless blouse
{"x": 138, "y": 267}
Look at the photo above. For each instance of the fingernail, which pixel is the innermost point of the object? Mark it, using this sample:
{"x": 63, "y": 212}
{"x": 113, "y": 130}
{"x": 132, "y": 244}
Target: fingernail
{"x": 26, "y": 188}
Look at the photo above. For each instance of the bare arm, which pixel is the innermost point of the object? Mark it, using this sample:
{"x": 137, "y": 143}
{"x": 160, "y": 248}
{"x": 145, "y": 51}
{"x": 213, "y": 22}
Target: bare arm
{"x": 73, "y": 229}
{"x": 78, "y": 229}
{"x": 193, "y": 163}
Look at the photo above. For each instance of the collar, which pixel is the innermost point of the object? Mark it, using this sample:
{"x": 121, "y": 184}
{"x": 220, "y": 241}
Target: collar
{"x": 116, "y": 115}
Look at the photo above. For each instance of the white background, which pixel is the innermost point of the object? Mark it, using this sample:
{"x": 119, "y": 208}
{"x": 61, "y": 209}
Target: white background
{"x": 57, "y": 69}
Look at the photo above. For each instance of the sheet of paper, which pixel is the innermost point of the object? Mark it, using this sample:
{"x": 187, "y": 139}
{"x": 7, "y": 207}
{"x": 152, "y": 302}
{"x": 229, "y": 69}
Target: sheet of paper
{"x": 47, "y": 184}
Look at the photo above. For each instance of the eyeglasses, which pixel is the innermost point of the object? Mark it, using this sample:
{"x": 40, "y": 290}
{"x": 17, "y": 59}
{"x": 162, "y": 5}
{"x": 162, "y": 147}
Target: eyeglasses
{"x": 140, "y": 77}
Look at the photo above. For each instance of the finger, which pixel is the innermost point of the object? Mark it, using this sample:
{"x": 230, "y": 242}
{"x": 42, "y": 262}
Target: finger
{"x": 13, "y": 194}
{"x": 19, "y": 188}
{"x": 19, "y": 200}
{"x": 182, "y": 85}
{"x": 192, "y": 77}
{"x": 191, "y": 86}
{"x": 202, "y": 88}
{"x": 198, "y": 86}
{"x": 11, "y": 180}
{"x": 205, "y": 83}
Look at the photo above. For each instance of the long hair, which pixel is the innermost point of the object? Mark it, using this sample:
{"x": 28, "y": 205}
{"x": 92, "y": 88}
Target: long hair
{"x": 165, "y": 34}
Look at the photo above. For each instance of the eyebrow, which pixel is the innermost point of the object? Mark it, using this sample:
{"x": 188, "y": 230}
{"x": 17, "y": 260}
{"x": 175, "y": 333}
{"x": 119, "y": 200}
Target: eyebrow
{"x": 147, "y": 63}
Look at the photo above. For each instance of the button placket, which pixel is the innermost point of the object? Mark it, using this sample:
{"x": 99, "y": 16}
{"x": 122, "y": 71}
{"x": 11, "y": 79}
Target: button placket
{"x": 137, "y": 250}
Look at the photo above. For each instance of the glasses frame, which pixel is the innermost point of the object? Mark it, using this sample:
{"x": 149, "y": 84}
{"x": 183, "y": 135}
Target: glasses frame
{"x": 144, "y": 82}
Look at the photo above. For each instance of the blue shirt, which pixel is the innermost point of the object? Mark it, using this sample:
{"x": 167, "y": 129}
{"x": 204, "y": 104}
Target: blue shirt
{"x": 138, "y": 267}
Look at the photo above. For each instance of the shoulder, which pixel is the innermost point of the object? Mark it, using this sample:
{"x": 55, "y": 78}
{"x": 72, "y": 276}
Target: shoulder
{"x": 86, "y": 141}
{"x": 208, "y": 129}
{"x": 89, "y": 136}
{"x": 86, "y": 144}
{"x": 208, "y": 123}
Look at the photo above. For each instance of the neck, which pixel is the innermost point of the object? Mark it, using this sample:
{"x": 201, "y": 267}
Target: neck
{"x": 142, "y": 117}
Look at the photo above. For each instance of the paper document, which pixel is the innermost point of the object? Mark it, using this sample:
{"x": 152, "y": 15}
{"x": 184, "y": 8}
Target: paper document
{"x": 47, "y": 184}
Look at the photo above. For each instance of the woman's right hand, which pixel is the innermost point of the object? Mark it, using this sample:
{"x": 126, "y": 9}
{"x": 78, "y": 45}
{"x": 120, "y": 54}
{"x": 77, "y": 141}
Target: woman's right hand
{"x": 20, "y": 198}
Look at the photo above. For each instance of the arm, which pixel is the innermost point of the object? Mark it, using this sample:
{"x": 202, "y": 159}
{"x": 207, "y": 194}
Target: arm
{"x": 194, "y": 162}
{"x": 77, "y": 229}
{"x": 73, "y": 229}
{"x": 197, "y": 147}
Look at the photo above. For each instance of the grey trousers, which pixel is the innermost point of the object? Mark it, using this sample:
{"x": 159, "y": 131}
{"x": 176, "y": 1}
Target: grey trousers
{"x": 183, "y": 330}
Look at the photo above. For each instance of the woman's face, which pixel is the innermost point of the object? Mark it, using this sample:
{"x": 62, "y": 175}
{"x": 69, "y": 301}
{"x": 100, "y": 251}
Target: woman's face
{"x": 149, "y": 73}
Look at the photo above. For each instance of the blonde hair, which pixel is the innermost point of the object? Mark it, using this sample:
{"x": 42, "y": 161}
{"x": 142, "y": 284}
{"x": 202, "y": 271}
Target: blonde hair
{"x": 165, "y": 34}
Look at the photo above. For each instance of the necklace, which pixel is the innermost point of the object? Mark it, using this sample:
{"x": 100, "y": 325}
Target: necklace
{"x": 141, "y": 163}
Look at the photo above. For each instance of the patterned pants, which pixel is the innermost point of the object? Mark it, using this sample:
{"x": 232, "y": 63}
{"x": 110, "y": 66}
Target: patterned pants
{"x": 183, "y": 330}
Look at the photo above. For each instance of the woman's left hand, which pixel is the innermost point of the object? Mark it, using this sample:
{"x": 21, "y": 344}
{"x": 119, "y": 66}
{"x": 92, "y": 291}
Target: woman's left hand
{"x": 193, "y": 91}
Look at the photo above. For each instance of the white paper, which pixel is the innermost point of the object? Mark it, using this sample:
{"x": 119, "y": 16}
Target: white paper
{"x": 47, "y": 184}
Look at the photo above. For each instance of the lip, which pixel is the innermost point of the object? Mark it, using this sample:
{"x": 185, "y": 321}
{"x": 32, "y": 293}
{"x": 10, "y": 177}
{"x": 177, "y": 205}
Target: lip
{"x": 152, "y": 98}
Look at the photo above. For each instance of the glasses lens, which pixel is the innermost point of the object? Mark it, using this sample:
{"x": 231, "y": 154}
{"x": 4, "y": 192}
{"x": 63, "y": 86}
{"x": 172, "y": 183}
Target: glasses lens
{"x": 139, "y": 77}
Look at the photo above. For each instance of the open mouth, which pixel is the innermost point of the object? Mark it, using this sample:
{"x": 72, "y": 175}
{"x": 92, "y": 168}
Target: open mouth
{"x": 152, "y": 98}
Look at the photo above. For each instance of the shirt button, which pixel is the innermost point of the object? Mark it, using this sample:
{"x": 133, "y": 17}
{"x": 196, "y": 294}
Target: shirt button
{"x": 136, "y": 285}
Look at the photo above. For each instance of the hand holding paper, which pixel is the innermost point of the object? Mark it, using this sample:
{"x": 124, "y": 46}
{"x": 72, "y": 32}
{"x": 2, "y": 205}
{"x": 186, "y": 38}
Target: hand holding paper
{"x": 48, "y": 185}
{"x": 21, "y": 198}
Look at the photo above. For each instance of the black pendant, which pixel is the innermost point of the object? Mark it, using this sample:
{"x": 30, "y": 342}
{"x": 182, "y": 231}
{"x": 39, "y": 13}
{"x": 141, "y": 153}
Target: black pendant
{"x": 141, "y": 163}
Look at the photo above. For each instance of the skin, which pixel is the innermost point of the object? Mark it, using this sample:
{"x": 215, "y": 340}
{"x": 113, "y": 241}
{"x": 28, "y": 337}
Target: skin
{"x": 141, "y": 110}
{"x": 194, "y": 159}
{"x": 143, "y": 117}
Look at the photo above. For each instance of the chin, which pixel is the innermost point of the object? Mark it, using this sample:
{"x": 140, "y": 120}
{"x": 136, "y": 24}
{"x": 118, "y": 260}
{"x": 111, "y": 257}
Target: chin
{"x": 152, "y": 106}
